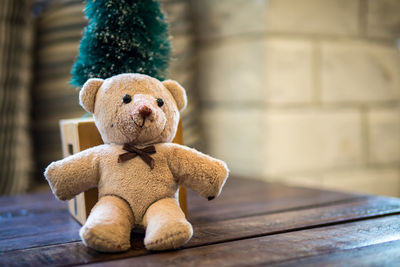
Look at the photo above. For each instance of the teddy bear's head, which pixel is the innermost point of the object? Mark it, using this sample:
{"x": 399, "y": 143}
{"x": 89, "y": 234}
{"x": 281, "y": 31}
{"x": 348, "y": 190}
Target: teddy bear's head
{"x": 134, "y": 108}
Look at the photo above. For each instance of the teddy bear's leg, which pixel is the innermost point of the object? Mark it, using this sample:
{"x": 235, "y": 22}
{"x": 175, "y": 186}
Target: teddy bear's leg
{"x": 109, "y": 225}
{"x": 166, "y": 225}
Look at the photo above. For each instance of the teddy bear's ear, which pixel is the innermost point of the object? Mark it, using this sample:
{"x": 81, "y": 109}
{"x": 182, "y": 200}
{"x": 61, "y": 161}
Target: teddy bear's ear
{"x": 178, "y": 92}
{"x": 87, "y": 95}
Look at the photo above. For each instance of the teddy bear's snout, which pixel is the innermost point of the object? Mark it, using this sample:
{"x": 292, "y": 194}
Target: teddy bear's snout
{"x": 141, "y": 114}
{"x": 144, "y": 111}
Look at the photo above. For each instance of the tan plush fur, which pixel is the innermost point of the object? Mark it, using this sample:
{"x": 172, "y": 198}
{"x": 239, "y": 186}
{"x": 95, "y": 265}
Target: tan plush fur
{"x": 166, "y": 225}
{"x": 109, "y": 225}
{"x": 131, "y": 193}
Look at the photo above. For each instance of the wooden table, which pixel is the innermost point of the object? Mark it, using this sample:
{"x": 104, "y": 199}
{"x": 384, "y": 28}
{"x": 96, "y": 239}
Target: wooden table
{"x": 252, "y": 223}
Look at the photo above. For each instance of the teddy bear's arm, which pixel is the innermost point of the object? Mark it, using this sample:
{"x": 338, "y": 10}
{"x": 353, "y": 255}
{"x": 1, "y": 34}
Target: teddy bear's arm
{"x": 202, "y": 173}
{"x": 74, "y": 174}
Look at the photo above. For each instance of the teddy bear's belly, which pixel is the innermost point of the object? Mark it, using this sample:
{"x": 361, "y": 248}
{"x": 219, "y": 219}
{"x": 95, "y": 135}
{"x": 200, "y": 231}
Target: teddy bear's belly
{"x": 140, "y": 186}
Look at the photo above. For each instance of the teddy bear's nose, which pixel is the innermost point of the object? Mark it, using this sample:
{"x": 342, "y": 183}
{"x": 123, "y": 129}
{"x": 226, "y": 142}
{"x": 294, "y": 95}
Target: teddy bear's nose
{"x": 144, "y": 111}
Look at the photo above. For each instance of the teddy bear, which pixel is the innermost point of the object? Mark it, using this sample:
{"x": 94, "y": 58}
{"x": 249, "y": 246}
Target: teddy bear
{"x": 137, "y": 170}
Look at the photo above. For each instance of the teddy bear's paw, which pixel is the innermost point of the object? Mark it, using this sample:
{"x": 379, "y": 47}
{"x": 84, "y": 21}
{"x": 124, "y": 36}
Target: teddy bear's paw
{"x": 104, "y": 239}
{"x": 168, "y": 236}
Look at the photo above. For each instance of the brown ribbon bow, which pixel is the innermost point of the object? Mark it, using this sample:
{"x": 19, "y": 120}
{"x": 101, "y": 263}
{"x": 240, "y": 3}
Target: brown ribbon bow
{"x": 143, "y": 153}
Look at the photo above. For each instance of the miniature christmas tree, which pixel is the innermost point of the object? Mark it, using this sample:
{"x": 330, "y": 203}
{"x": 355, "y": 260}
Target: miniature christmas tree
{"x": 122, "y": 36}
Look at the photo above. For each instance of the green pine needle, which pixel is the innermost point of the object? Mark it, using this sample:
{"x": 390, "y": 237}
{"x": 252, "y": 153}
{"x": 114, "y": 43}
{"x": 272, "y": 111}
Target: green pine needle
{"x": 123, "y": 36}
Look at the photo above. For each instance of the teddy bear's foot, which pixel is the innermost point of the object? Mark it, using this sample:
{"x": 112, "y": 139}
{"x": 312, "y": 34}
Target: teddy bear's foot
{"x": 109, "y": 225}
{"x": 166, "y": 226}
{"x": 169, "y": 235}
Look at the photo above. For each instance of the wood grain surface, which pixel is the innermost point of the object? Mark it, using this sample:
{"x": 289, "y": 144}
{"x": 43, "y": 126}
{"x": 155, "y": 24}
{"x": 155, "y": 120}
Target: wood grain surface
{"x": 252, "y": 223}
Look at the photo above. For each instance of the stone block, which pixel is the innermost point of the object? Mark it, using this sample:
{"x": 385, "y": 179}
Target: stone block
{"x": 182, "y": 47}
{"x": 384, "y": 135}
{"x": 228, "y": 17}
{"x": 303, "y": 180}
{"x": 383, "y": 19}
{"x": 236, "y": 136}
{"x": 289, "y": 77}
{"x": 357, "y": 72}
{"x": 182, "y": 59}
{"x": 232, "y": 71}
{"x": 303, "y": 140}
{"x": 327, "y": 17}
{"x": 178, "y": 16}
{"x": 369, "y": 181}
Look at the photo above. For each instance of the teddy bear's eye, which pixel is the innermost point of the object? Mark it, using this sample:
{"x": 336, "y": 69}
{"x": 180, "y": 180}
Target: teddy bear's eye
{"x": 160, "y": 102}
{"x": 126, "y": 99}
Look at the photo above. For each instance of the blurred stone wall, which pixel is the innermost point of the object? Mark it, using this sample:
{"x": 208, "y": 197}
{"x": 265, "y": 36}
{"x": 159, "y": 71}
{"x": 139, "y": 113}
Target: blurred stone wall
{"x": 303, "y": 92}
{"x": 183, "y": 65}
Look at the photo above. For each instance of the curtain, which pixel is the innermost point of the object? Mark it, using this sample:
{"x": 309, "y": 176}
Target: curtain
{"x": 16, "y": 40}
